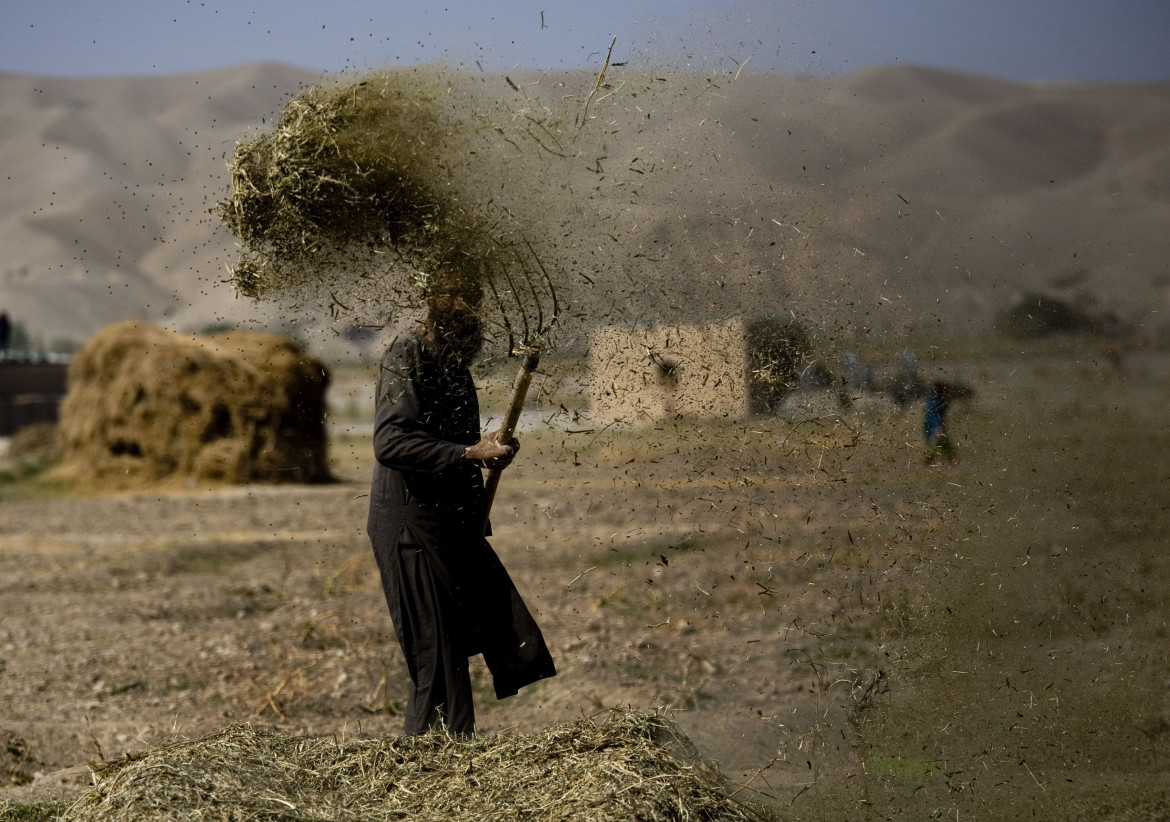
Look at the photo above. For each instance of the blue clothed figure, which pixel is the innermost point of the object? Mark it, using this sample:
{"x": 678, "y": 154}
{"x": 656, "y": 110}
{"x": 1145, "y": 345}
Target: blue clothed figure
{"x": 934, "y": 424}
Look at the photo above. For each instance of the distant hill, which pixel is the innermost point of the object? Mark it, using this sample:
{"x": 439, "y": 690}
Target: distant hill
{"x": 893, "y": 200}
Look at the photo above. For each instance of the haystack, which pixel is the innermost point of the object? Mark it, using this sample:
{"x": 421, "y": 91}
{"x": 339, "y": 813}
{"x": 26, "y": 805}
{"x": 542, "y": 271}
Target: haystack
{"x": 625, "y": 765}
{"x": 145, "y": 404}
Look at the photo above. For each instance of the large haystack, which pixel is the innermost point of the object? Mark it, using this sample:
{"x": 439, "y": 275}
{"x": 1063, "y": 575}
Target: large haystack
{"x": 624, "y": 766}
{"x": 146, "y": 404}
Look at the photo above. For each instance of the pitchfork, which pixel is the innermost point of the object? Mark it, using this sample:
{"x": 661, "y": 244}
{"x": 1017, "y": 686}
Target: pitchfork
{"x": 524, "y": 295}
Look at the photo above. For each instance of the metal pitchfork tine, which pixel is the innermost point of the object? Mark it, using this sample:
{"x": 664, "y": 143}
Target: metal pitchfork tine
{"x": 533, "y": 342}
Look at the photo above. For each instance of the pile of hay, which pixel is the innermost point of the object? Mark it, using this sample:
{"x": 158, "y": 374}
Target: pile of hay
{"x": 618, "y": 767}
{"x": 36, "y": 443}
{"x": 145, "y": 404}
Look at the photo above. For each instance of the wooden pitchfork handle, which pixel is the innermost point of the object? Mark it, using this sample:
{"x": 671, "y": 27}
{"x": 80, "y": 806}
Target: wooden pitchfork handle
{"x": 527, "y": 367}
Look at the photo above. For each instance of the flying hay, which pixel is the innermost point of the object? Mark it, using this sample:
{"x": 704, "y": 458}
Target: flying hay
{"x": 346, "y": 166}
{"x": 146, "y": 404}
{"x": 621, "y": 767}
{"x": 372, "y": 193}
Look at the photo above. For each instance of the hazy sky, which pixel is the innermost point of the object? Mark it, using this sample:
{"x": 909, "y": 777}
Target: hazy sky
{"x": 1016, "y": 39}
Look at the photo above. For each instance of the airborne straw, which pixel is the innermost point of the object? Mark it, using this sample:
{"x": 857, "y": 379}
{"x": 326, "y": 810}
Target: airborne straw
{"x": 383, "y": 192}
{"x": 372, "y": 194}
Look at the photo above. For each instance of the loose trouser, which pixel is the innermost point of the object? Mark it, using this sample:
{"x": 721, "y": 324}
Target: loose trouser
{"x": 425, "y": 621}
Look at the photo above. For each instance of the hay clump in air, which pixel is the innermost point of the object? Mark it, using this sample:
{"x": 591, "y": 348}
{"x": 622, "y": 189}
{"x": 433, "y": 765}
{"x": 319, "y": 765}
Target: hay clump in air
{"x": 620, "y": 766}
{"x": 145, "y": 405}
{"x": 370, "y": 192}
{"x": 345, "y": 166}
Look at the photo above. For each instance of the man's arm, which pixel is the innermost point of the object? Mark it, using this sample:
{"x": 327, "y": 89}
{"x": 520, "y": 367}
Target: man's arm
{"x": 491, "y": 453}
{"x": 400, "y": 442}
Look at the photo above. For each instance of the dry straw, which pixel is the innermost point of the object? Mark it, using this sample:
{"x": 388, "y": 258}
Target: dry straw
{"x": 620, "y": 766}
{"x": 346, "y": 165}
{"x": 145, "y": 404}
{"x": 372, "y": 192}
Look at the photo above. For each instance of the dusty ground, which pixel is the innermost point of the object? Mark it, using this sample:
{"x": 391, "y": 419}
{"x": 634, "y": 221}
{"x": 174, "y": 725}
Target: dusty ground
{"x": 849, "y": 633}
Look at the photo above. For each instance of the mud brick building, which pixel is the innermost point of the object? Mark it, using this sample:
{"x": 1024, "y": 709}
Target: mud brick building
{"x": 734, "y": 369}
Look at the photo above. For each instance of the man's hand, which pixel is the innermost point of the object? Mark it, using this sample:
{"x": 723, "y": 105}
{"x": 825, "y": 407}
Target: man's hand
{"x": 491, "y": 453}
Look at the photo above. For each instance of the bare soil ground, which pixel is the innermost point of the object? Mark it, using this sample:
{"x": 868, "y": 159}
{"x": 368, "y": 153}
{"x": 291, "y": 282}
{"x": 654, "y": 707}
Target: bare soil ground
{"x": 849, "y": 633}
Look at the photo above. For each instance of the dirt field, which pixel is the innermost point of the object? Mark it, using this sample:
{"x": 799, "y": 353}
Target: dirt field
{"x": 851, "y": 634}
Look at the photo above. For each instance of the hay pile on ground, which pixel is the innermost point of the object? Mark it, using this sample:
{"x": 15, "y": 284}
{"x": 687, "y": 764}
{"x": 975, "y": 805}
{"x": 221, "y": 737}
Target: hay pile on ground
{"x": 36, "y": 443}
{"x": 145, "y": 404}
{"x": 619, "y": 766}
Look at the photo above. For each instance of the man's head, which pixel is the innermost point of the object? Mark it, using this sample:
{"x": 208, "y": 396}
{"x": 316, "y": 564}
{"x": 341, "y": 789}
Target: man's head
{"x": 453, "y": 290}
{"x": 455, "y": 327}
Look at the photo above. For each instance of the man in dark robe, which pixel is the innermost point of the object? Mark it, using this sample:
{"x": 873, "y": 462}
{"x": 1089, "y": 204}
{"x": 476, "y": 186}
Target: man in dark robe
{"x": 448, "y": 593}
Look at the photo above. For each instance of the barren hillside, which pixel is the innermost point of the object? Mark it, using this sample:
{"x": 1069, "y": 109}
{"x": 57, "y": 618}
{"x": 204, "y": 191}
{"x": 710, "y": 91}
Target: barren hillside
{"x": 889, "y": 200}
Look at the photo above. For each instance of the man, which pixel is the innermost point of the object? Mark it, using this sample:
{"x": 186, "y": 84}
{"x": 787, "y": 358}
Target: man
{"x": 448, "y": 593}
{"x": 934, "y": 423}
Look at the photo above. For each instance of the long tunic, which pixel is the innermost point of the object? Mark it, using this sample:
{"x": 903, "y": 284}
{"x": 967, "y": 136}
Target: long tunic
{"x": 426, "y": 496}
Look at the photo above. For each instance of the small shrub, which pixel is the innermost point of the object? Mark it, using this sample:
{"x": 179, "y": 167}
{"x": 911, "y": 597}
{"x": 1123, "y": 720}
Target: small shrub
{"x": 1038, "y": 316}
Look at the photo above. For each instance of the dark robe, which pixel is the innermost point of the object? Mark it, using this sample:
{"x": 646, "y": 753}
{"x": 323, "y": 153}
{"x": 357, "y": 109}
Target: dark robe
{"x": 449, "y": 595}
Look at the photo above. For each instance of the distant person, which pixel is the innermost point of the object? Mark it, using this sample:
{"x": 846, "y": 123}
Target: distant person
{"x": 934, "y": 423}
{"x": 5, "y": 333}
